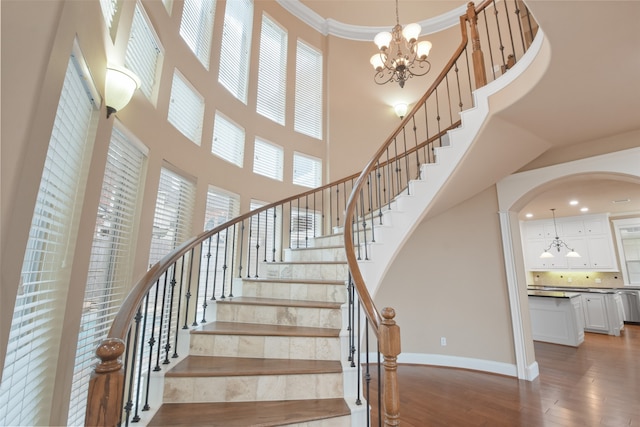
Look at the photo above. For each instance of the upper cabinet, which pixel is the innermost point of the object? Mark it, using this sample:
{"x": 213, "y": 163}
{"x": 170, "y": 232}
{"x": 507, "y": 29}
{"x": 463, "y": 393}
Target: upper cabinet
{"x": 588, "y": 235}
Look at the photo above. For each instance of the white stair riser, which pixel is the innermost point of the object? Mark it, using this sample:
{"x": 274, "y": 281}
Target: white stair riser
{"x": 305, "y": 271}
{"x": 252, "y": 388}
{"x": 314, "y": 254}
{"x": 296, "y": 291}
{"x": 273, "y": 315}
{"x": 268, "y": 347}
{"x": 328, "y": 422}
{"x": 332, "y": 240}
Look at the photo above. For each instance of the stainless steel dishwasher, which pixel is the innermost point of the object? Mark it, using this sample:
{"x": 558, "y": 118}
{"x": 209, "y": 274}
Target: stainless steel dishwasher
{"x": 631, "y": 305}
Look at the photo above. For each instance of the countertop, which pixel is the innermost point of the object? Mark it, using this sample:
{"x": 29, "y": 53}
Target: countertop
{"x": 552, "y": 294}
{"x": 583, "y": 290}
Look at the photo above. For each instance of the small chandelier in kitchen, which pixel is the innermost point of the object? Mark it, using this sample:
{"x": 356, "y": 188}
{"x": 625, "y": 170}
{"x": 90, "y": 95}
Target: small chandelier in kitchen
{"x": 400, "y": 55}
{"x": 557, "y": 243}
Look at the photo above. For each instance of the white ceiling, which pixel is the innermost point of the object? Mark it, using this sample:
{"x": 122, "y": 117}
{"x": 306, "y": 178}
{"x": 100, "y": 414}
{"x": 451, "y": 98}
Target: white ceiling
{"x": 590, "y": 91}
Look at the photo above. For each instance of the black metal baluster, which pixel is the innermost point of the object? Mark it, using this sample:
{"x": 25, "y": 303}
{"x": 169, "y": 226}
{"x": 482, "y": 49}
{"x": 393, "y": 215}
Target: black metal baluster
{"x": 337, "y": 206}
{"x": 379, "y": 195}
{"x": 249, "y": 247}
{"x": 371, "y": 209}
{"x": 164, "y": 302}
{"x": 224, "y": 266}
{"x": 136, "y": 417}
{"x": 364, "y": 225}
{"x": 241, "y": 249}
{"x": 206, "y": 276}
{"x": 359, "y": 365}
{"x": 127, "y": 388}
{"x": 306, "y": 221}
{"x": 175, "y": 344}
{"x": 273, "y": 244}
{"x": 298, "y": 226}
{"x": 172, "y": 296}
{"x": 257, "y": 245}
{"x": 389, "y": 183}
{"x": 379, "y": 388}
{"x": 357, "y": 230}
{"x": 367, "y": 375}
{"x": 233, "y": 256}
{"x": 188, "y": 294}
{"x": 215, "y": 267}
{"x": 406, "y": 159}
{"x": 151, "y": 342}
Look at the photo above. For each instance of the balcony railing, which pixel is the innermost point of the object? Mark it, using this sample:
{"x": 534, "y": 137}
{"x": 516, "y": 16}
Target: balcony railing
{"x": 175, "y": 293}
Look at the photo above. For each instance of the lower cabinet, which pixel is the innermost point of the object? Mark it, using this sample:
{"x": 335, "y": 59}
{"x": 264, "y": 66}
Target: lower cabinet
{"x": 603, "y": 313}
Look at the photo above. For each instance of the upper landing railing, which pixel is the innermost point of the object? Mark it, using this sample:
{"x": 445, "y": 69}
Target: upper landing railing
{"x": 175, "y": 293}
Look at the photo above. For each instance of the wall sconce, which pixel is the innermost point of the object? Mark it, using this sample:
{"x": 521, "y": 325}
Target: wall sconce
{"x": 120, "y": 84}
{"x": 401, "y": 109}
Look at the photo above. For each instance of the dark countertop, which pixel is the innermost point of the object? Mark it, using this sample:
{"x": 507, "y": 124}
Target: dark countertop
{"x": 594, "y": 290}
{"x": 552, "y": 294}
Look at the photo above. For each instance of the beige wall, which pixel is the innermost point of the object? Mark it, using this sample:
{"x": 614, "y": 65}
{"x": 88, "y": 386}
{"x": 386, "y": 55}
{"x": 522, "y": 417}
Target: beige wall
{"x": 449, "y": 281}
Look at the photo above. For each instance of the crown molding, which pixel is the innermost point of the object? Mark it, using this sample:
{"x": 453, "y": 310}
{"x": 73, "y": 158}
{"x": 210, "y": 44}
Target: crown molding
{"x": 365, "y": 33}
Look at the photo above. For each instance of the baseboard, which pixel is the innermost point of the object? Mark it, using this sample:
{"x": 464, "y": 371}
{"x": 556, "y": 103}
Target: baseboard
{"x": 491, "y": 366}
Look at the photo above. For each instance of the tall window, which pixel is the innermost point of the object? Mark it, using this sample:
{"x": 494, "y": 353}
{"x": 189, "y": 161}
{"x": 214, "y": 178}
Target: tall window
{"x": 27, "y": 386}
{"x": 143, "y": 52}
{"x": 308, "y": 108}
{"x": 236, "y": 46}
{"x": 268, "y": 159}
{"x": 186, "y": 108}
{"x": 228, "y": 140}
{"x": 110, "y": 263}
{"x": 307, "y": 170}
{"x": 196, "y": 27}
{"x": 272, "y": 71}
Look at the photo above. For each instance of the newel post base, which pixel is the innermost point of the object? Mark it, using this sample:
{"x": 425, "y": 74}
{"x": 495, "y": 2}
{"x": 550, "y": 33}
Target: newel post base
{"x": 104, "y": 401}
{"x": 390, "y": 348}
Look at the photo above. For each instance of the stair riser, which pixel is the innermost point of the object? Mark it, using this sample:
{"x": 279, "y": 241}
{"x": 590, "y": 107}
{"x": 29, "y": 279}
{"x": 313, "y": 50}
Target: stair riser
{"x": 273, "y": 315}
{"x": 250, "y": 388}
{"x": 315, "y": 254}
{"x": 306, "y": 271}
{"x": 296, "y": 291}
{"x": 329, "y": 422}
{"x": 306, "y": 348}
{"x": 332, "y": 240}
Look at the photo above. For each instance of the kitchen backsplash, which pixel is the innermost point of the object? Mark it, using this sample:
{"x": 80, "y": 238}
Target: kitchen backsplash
{"x": 576, "y": 279}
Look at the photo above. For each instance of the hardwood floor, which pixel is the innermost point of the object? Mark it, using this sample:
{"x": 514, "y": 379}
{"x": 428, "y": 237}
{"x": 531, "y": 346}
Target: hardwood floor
{"x": 596, "y": 384}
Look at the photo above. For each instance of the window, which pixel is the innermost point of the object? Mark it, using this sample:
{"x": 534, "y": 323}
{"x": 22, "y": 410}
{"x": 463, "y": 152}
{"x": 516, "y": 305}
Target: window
{"x": 308, "y": 108}
{"x": 228, "y": 140}
{"x": 109, "y": 8}
{"x": 272, "y": 71}
{"x": 267, "y": 159}
{"x": 26, "y": 390}
{"x": 196, "y": 27}
{"x": 222, "y": 206}
{"x": 307, "y": 170}
{"x": 186, "y": 108}
{"x": 174, "y": 210}
{"x": 236, "y": 46}
{"x": 110, "y": 262}
{"x": 305, "y": 224}
{"x": 143, "y": 52}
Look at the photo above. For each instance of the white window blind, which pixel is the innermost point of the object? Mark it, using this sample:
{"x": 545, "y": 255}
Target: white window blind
{"x": 143, "y": 52}
{"x": 26, "y": 390}
{"x": 228, "y": 140}
{"x": 174, "y": 212}
{"x": 110, "y": 262}
{"x": 196, "y": 27}
{"x": 109, "y": 8}
{"x": 222, "y": 206}
{"x": 308, "y": 108}
{"x": 305, "y": 225}
{"x": 272, "y": 71}
{"x": 307, "y": 170}
{"x": 236, "y": 46}
{"x": 186, "y": 108}
{"x": 267, "y": 159}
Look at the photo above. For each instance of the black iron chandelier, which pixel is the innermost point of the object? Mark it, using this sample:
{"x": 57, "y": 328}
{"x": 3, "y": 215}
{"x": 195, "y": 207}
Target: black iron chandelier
{"x": 557, "y": 243}
{"x": 400, "y": 55}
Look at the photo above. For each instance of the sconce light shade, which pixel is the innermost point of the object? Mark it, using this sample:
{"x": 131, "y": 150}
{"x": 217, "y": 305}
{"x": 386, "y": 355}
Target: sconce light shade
{"x": 401, "y": 109}
{"x": 120, "y": 84}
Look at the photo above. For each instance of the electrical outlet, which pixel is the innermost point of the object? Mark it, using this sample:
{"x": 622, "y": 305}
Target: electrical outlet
{"x": 598, "y": 281}
{"x": 443, "y": 341}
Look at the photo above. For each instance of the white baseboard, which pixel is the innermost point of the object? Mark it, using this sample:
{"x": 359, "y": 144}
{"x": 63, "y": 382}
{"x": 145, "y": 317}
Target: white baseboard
{"x": 508, "y": 369}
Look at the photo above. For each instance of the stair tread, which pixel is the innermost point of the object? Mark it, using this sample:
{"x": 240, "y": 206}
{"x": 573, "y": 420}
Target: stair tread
{"x": 280, "y": 302}
{"x": 306, "y": 262}
{"x": 319, "y": 247}
{"x": 245, "y": 414}
{"x": 217, "y": 366}
{"x": 295, "y": 281}
{"x": 234, "y": 328}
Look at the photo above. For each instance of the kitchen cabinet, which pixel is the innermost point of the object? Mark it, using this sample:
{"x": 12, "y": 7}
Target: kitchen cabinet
{"x": 589, "y": 235}
{"x": 603, "y": 312}
{"x": 556, "y": 317}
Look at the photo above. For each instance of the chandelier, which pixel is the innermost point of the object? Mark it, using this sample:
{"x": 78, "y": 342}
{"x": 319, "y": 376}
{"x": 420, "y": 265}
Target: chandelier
{"x": 557, "y": 243}
{"x": 400, "y": 55}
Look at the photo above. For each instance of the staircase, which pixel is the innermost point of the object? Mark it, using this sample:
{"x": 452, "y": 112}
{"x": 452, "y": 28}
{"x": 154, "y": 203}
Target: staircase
{"x": 275, "y": 355}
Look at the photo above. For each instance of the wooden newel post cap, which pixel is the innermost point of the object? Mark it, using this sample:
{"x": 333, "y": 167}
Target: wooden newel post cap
{"x": 109, "y": 352}
{"x": 389, "y": 334}
{"x": 388, "y": 315}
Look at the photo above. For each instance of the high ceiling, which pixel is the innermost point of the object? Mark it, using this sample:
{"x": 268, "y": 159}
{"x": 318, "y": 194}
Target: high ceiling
{"x": 590, "y": 91}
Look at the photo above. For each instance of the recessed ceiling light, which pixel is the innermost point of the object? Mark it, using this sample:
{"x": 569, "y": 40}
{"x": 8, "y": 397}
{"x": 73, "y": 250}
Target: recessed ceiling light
{"x": 621, "y": 201}
{"x": 529, "y": 215}
{"x": 584, "y": 209}
{"x": 573, "y": 202}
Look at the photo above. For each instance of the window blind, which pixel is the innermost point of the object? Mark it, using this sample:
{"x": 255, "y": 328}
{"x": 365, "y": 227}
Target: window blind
{"x": 305, "y": 224}
{"x": 228, "y": 140}
{"x": 222, "y": 206}
{"x": 143, "y": 52}
{"x": 308, "y": 97}
{"x": 267, "y": 159}
{"x": 26, "y": 390}
{"x": 110, "y": 261}
{"x": 236, "y": 46}
{"x": 109, "y": 8}
{"x": 186, "y": 108}
{"x": 307, "y": 170}
{"x": 196, "y": 27}
{"x": 272, "y": 71}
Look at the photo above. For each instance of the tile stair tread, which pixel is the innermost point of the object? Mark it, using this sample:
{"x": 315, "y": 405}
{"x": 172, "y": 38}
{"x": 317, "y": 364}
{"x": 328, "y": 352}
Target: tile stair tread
{"x": 275, "y": 302}
{"x": 218, "y": 366}
{"x": 318, "y": 247}
{"x": 294, "y": 281}
{"x": 248, "y": 414}
{"x": 305, "y": 262}
{"x": 256, "y": 329}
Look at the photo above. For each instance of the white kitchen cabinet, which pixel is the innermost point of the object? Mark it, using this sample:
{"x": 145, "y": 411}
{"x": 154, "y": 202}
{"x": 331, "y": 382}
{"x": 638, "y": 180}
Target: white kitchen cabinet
{"x": 595, "y": 312}
{"x": 589, "y": 235}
